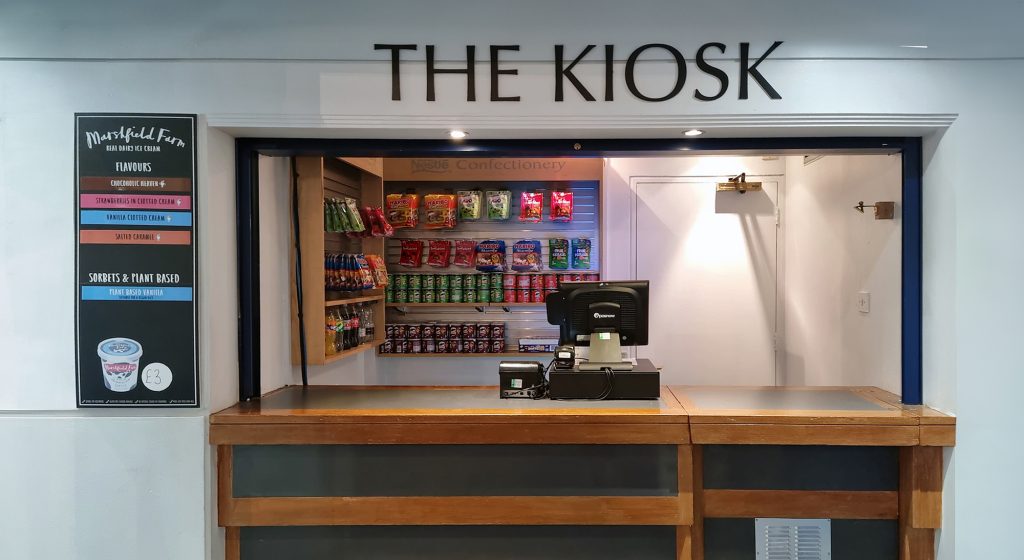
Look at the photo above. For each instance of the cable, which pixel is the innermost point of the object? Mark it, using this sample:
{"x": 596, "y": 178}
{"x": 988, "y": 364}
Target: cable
{"x": 298, "y": 275}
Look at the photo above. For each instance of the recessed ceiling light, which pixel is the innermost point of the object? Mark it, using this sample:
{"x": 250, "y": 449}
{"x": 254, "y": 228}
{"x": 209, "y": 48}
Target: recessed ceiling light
{"x": 457, "y": 134}
{"x": 914, "y": 46}
{"x": 693, "y": 132}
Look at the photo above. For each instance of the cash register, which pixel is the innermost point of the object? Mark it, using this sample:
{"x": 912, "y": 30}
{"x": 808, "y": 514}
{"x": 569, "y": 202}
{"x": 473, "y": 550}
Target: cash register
{"x": 604, "y": 317}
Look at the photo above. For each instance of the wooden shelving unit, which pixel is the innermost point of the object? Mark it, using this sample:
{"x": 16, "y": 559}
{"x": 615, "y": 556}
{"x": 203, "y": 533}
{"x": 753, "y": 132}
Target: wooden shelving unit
{"x": 463, "y": 304}
{"x": 350, "y": 352}
{"x": 319, "y": 178}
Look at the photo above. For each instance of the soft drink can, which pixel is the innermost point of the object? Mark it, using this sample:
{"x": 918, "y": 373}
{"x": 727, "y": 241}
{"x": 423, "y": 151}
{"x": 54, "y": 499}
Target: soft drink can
{"x": 537, "y": 296}
{"x": 442, "y": 295}
{"x": 456, "y": 346}
{"x": 427, "y": 330}
{"x": 456, "y": 281}
{"x": 469, "y": 345}
{"x": 401, "y": 296}
{"x": 497, "y": 331}
{"x": 389, "y": 331}
{"x": 468, "y": 330}
{"x": 428, "y": 346}
{"x": 444, "y": 281}
{"x": 398, "y": 346}
{"x": 401, "y": 331}
{"x": 415, "y": 281}
{"x": 591, "y": 277}
{"x": 523, "y": 281}
{"x": 483, "y": 282}
{"x": 441, "y": 346}
{"x": 389, "y": 295}
{"x": 416, "y": 346}
{"x": 469, "y": 295}
{"x": 401, "y": 281}
{"x": 469, "y": 281}
{"x": 508, "y": 280}
{"x": 577, "y": 277}
{"x": 536, "y": 281}
{"x": 508, "y": 295}
{"x": 428, "y": 296}
{"x": 564, "y": 278}
{"x": 498, "y": 346}
{"x": 497, "y": 295}
{"x": 387, "y": 347}
{"x": 414, "y": 330}
{"x": 441, "y": 331}
{"x": 455, "y": 295}
{"x": 523, "y": 296}
{"x": 550, "y": 281}
{"x": 428, "y": 282}
{"x": 483, "y": 296}
{"x": 415, "y": 296}
{"x": 496, "y": 280}
{"x": 454, "y": 331}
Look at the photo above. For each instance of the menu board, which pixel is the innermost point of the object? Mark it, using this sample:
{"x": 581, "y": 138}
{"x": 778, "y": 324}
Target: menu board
{"x": 135, "y": 258}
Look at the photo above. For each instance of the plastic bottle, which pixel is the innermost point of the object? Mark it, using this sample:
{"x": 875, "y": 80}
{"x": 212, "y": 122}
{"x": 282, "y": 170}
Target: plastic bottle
{"x": 329, "y": 335}
{"x": 368, "y": 321}
{"x": 339, "y": 330}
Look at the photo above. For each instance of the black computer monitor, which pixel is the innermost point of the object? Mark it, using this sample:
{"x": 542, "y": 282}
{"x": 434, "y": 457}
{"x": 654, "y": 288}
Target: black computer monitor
{"x": 602, "y": 315}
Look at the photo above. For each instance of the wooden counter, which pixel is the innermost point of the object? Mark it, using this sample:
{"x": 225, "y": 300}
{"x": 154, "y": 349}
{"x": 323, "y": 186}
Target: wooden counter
{"x": 322, "y": 437}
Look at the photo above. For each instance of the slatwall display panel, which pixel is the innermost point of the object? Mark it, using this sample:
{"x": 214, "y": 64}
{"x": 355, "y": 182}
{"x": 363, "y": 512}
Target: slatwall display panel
{"x": 520, "y": 321}
{"x": 585, "y": 221}
{"x": 340, "y": 182}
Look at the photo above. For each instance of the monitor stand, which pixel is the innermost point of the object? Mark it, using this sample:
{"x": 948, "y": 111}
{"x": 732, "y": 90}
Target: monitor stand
{"x": 605, "y": 353}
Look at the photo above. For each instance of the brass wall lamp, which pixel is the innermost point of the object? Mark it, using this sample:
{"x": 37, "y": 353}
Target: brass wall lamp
{"x": 884, "y": 210}
{"x": 739, "y": 184}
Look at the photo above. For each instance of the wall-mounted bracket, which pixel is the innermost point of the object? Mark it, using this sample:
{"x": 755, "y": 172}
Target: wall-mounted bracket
{"x": 739, "y": 184}
{"x": 885, "y": 210}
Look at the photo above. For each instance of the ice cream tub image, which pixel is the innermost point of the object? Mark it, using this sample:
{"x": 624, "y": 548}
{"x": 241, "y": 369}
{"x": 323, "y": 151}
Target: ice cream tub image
{"x": 119, "y": 358}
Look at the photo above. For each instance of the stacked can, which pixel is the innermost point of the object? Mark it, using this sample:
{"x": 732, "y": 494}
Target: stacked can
{"x": 444, "y": 338}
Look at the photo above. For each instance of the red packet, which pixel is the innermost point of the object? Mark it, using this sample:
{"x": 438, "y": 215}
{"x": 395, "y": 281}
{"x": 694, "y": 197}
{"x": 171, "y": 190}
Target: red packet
{"x": 531, "y": 205}
{"x": 561, "y": 206}
{"x": 412, "y": 253}
{"x": 440, "y": 253}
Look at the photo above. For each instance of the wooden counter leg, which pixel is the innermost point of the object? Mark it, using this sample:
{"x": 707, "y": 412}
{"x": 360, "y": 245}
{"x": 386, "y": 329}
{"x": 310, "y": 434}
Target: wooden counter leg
{"x": 697, "y": 528}
{"x": 232, "y": 544}
{"x": 225, "y": 499}
{"x": 920, "y": 501}
{"x": 684, "y": 533}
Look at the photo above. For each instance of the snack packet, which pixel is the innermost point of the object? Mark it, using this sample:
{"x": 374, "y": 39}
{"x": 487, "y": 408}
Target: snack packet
{"x": 365, "y": 276}
{"x": 440, "y": 253}
{"x": 531, "y": 205}
{"x": 470, "y": 205}
{"x": 379, "y": 270}
{"x": 440, "y": 211}
{"x": 465, "y": 250}
{"x": 412, "y": 253}
{"x": 581, "y": 253}
{"x": 558, "y": 253}
{"x": 403, "y": 210}
{"x": 499, "y": 205}
{"x": 378, "y": 216}
{"x": 490, "y": 256}
{"x": 354, "y": 218}
{"x": 561, "y": 206}
{"x": 526, "y": 256}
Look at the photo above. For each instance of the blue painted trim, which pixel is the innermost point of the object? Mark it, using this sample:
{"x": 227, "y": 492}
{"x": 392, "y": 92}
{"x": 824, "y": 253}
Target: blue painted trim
{"x": 913, "y": 273}
{"x": 247, "y": 197}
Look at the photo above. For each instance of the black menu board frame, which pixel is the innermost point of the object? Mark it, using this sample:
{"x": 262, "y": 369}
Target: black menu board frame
{"x": 136, "y": 260}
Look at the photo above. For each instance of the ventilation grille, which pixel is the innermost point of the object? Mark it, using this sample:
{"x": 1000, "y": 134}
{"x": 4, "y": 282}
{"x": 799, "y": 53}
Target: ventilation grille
{"x": 793, "y": 539}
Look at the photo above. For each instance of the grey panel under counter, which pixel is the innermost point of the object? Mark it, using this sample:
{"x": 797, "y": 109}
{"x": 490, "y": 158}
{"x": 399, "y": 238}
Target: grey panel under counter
{"x": 459, "y": 543}
{"x": 800, "y": 467}
{"x": 852, "y": 539}
{"x": 455, "y": 470}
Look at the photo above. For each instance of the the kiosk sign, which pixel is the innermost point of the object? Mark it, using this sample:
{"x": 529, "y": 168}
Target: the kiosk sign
{"x": 564, "y": 63}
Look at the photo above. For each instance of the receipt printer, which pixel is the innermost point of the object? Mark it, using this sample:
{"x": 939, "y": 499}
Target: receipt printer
{"x": 521, "y": 380}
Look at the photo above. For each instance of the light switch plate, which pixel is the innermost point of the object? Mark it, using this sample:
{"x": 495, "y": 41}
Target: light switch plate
{"x": 864, "y": 302}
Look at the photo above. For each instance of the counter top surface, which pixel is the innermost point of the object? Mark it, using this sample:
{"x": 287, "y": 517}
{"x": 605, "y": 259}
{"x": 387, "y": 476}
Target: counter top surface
{"x": 327, "y": 404}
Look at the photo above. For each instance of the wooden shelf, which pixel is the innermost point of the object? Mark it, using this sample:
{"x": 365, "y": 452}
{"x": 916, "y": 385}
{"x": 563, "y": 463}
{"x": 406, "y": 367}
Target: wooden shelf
{"x": 351, "y": 352}
{"x": 464, "y": 304}
{"x": 465, "y": 355}
{"x": 348, "y": 301}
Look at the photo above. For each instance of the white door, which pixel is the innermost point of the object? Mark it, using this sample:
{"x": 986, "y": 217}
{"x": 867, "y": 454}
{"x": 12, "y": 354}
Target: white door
{"x": 711, "y": 261}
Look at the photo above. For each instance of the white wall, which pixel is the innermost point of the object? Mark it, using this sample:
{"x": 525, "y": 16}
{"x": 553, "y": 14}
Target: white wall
{"x": 972, "y": 261}
{"x": 833, "y": 252}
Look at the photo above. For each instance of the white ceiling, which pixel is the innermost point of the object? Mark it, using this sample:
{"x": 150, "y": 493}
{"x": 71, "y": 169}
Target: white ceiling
{"x": 346, "y": 30}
